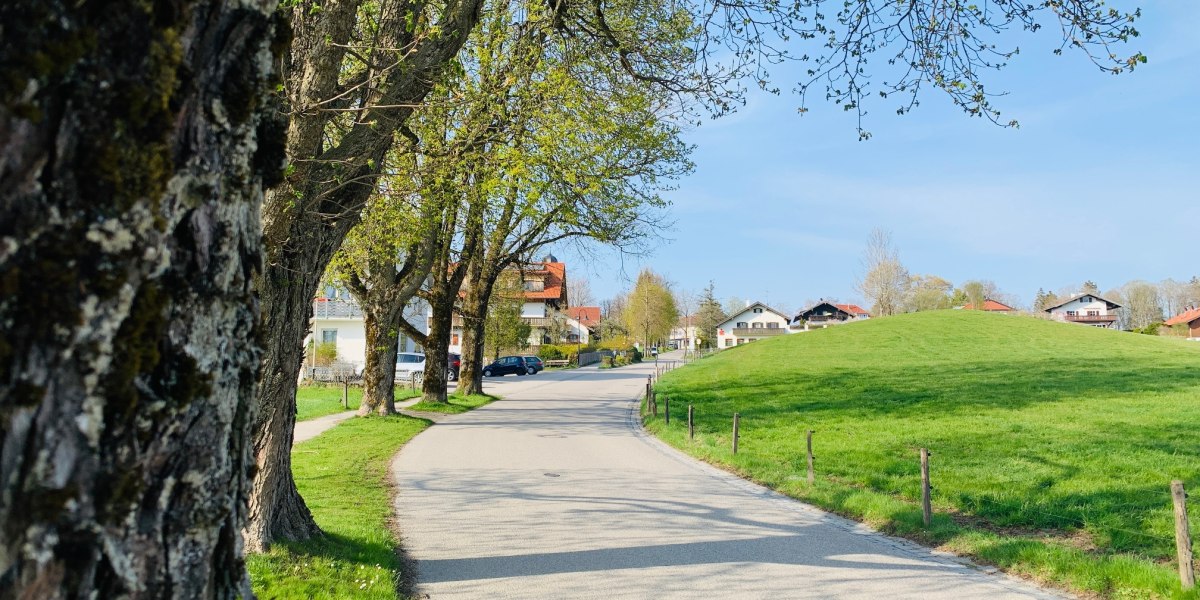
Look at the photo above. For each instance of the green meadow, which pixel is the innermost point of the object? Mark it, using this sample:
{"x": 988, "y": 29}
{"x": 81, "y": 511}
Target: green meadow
{"x": 1053, "y": 445}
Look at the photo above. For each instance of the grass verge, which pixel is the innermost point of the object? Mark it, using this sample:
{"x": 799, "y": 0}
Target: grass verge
{"x": 342, "y": 475}
{"x": 1053, "y": 445}
{"x": 314, "y": 401}
{"x": 457, "y": 404}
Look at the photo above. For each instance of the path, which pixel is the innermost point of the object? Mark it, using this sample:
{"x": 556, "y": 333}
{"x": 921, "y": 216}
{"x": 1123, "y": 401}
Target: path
{"x": 555, "y": 492}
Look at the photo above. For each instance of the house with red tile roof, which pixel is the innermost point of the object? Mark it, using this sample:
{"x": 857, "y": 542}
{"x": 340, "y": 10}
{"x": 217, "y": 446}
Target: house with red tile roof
{"x": 1189, "y": 318}
{"x": 990, "y": 305}
{"x": 824, "y": 314}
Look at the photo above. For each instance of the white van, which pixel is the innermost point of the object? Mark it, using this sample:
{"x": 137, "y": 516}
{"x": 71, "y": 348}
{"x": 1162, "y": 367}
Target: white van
{"x": 408, "y": 363}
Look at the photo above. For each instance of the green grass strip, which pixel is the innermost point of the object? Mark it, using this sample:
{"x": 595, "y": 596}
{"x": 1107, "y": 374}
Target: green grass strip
{"x": 314, "y": 401}
{"x": 343, "y": 476}
{"x": 457, "y": 404}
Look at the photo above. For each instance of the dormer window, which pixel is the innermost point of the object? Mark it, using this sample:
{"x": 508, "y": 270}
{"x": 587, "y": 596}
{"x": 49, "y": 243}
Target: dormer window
{"x": 757, "y": 311}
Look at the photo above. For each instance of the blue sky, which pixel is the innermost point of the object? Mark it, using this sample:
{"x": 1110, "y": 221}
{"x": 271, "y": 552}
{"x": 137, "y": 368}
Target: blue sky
{"x": 1101, "y": 181}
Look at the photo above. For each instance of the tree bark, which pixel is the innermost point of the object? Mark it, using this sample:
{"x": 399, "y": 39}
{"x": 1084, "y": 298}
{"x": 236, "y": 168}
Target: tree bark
{"x": 379, "y": 375}
{"x": 134, "y": 145}
{"x": 306, "y": 221}
{"x": 437, "y": 346}
{"x": 475, "y": 305}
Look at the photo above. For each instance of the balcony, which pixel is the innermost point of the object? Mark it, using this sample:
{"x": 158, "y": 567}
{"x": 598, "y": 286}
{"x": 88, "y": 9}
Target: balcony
{"x": 825, "y": 318}
{"x": 758, "y": 331}
{"x": 1090, "y": 318}
{"x": 324, "y": 308}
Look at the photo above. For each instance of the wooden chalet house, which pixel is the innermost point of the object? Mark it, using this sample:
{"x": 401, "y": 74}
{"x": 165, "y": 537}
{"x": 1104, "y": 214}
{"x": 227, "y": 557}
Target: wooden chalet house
{"x": 824, "y": 314}
{"x": 1087, "y": 309}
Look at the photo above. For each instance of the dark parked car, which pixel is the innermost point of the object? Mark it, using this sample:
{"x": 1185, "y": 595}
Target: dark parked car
{"x": 505, "y": 365}
{"x": 454, "y": 363}
{"x": 533, "y": 364}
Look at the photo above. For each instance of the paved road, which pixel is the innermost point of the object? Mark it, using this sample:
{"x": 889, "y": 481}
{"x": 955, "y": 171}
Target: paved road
{"x": 554, "y": 492}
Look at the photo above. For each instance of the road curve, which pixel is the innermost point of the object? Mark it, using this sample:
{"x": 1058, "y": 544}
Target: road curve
{"x": 555, "y": 492}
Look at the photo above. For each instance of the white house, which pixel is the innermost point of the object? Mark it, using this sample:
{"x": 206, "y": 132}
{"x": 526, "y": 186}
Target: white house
{"x": 683, "y": 335}
{"x": 1086, "y": 308}
{"x": 338, "y": 318}
{"x": 823, "y": 314}
{"x": 757, "y": 321}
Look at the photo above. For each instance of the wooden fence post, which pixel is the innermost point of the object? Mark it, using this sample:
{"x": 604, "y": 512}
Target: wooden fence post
{"x": 1183, "y": 536}
{"x": 926, "y": 506}
{"x": 346, "y": 392}
{"x": 666, "y": 410}
{"x": 811, "y": 474}
{"x": 736, "y": 418}
{"x": 691, "y": 424}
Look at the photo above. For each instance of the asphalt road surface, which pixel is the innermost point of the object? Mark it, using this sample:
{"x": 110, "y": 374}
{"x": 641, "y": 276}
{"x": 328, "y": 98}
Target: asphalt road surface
{"x": 555, "y": 492}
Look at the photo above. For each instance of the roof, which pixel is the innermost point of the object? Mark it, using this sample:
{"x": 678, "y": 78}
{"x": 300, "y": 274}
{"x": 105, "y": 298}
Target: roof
{"x": 1078, "y": 296}
{"x": 588, "y": 316}
{"x": 555, "y": 278}
{"x": 851, "y": 309}
{"x": 1184, "y": 317}
{"x": 991, "y": 305}
{"x": 753, "y": 305}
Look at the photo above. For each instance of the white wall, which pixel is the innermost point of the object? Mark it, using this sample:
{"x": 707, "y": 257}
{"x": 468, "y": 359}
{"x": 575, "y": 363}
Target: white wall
{"x": 1081, "y": 307}
{"x": 726, "y": 337}
{"x": 533, "y": 309}
{"x": 351, "y": 338}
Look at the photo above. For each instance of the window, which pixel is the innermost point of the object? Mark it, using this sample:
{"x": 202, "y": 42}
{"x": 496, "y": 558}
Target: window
{"x": 756, "y": 325}
{"x": 535, "y": 285}
{"x": 728, "y": 342}
{"x": 573, "y": 337}
{"x": 328, "y": 335}
{"x": 741, "y": 341}
{"x": 772, "y": 325}
{"x": 454, "y": 339}
{"x": 740, "y": 325}
{"x": 1071, "y": 313}
{"x": 758, "y": 311}
{"x": 1093, "y": 313}
{"x": 1086, "y": 299}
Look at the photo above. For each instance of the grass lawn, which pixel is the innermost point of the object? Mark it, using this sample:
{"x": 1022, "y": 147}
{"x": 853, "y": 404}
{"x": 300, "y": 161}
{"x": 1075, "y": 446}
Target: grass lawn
{"x": 1052, "y": 445}
{"x": 342, "y": 475}
{"x": 457, "y": 404}
{"x": 314, "y": 401}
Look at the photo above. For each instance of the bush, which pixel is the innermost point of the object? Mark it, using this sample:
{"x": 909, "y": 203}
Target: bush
{"x": 1151, "y": 329}
{"x": 634, "y": 354}
{"x": 322, "y": 353}
{"x": 549, "y": 352}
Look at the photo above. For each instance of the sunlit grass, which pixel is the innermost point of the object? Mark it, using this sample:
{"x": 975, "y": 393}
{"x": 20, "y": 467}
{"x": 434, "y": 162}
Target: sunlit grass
{"x": 457, "y": 404}
{"x": 343, "y": 476}
{"x": 1053, "y": 445}
{"x": 314, "y": 401}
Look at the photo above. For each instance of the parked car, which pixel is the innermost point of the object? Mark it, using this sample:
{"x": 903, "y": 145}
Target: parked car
{"x": 505, "y": 365}
{"x": 408, "y": 363}
{"x": 533, "y": 364}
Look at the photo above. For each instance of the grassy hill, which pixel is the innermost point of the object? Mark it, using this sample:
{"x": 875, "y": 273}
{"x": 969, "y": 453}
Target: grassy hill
{"x": 1053, "y": 444}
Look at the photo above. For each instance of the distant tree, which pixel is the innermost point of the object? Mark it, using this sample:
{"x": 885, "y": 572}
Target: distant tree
{"x": 927, "y": 292}
{"x": 650, "y": 312}
{"x": 1090, "y": 287}
{"x": 734, "y": 305}
{"x": 709, "y": 316}
{"x": 579, "y": 292}
{"x": 503, "y": 327}
{"x": 1142, "y": 305}
{"x": 884, "y": 280}
{"x": 556, "y": 329}
{"x": 976, "y": 293}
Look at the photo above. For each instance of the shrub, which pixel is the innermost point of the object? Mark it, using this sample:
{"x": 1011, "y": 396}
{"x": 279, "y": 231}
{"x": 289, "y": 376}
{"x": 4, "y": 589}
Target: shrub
{"x": 323, "y": 353}
{"x": 549, "y": 352}
{"x": 634, "y": 354}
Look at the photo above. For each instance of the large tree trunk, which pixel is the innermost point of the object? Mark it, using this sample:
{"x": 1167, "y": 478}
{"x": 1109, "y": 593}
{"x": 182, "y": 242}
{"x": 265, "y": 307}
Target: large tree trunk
{"x": 475, "y": 305}
{"x": 437, "y": 346}
{"x": 133, "y": 150}
{"x": 379, "y": 375}
{"x": 305, "y": 221}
